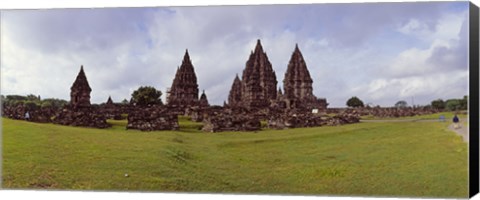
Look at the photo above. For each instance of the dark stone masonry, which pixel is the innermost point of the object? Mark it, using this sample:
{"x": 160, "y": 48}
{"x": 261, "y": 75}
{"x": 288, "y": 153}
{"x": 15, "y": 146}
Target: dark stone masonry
{"x": 258, "y": 87}
{"x": 259, "y": 82}
{"x": 203, "y": 102}
{"x": 297, "y": 85}
{"x": 184, "y": 90}
{"x": 80, "y": 91}
{"x": 80, "y": 112}
{"x": 152, "y": 119}
{"x": 235, "y": 95}
{"x": 87, "y": 117}
{"x": 227, "y": 120}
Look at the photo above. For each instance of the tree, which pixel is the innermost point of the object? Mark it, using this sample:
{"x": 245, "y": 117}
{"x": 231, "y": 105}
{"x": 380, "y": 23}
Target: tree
{"x": 46, "y": 104}
{"x": 31, "y": 105}
{"x": 54, "y": 103}
{"x": 453, "y": 104}
{"x": 146, "y": 95}
{"x": 401, "y": 104}
{"x": 16, "y": 98}
{"x": 354, "y": 102}
{"x": 438, "y": 104}
{"x": 125, "y": 101}
{"x": 32, "y": 97}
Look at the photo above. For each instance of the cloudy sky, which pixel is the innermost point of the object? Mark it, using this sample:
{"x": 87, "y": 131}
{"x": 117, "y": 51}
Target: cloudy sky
{"x": 380, "y": 52}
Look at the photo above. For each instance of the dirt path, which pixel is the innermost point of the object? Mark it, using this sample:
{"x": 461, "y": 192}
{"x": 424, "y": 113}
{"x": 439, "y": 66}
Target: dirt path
{"x": 462, "y": 131}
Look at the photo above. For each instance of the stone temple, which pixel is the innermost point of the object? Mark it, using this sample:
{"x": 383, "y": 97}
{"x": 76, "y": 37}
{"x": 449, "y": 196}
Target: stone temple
{"x": 184, "y": 90}
{"x": 80, "y": 112}
{"x": 259, "y": 83}
{"x": 235, "y": 96}
{"x": 203, "y": 102}
{"x": 80, "y": 91}
{"x": 257, "y": 88}
{"x": 109, "y": 101}
{"x": 297, "y": 85}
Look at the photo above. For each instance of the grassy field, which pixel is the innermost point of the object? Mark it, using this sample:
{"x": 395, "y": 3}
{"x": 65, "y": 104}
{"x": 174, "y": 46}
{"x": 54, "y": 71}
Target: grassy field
{"x": 365, "y": 159}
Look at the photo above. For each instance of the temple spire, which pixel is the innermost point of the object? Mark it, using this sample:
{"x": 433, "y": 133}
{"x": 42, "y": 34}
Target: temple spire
{"x": 80, "y": 90}
{"x": 258, "y": 47}
{"x": 109, "y": 101}
{"x": 235, "y": 95}
{"x": 297, "y": 84}
{"x": 187, "y": 56}
{"x": 184, "y": 89}
{"x": 203, "y": 102}
{"x": 259, "y": 82}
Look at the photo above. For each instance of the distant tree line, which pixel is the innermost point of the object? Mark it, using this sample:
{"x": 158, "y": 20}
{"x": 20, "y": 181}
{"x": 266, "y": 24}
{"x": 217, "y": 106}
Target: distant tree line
{"x": 143, "y": 96}
{"x": 32, "y": 101}
{"x": 449, "y": 105}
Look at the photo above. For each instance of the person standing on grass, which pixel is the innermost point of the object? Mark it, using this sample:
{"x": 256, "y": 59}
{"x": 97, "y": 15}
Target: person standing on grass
{"x": 27, "y": 116}
{"x": 455, "y": 122}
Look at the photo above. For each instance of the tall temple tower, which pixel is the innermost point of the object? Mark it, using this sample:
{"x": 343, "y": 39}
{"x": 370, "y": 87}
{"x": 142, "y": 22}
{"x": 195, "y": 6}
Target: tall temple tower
{"x": 297, "y": 85}
{"x": 80, "y": 91}
{"x": 184, "y": 90}
{"x": 259, "y": 83}
{"x": 235, "y": 95}
{"x": 297, "y": 82}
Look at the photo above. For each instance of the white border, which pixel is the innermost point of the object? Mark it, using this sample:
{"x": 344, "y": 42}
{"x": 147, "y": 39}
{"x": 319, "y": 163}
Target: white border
{"x": 81, "y": 195}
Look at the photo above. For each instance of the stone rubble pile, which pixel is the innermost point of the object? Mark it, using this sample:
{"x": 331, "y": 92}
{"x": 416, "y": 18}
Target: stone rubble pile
{"x": 225, "y": 120}
{"x": 152, "y": 119}
{"x": 310, "y": 120}
{"x": 86, "y": 117}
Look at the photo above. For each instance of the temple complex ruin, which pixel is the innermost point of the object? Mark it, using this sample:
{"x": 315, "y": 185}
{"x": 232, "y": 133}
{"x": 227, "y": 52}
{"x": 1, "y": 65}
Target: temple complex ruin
{"x": 253, "y": 98}
{"x": 257, "y": 88}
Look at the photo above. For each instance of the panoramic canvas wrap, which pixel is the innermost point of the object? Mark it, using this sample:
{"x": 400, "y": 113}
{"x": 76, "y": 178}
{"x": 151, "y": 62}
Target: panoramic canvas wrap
{"x": 363, "y": 99}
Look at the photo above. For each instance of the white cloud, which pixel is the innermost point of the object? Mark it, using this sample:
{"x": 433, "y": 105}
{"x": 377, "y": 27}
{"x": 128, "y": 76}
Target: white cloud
{"x": 422, "y": 88}
{"x": 416, "y": 28}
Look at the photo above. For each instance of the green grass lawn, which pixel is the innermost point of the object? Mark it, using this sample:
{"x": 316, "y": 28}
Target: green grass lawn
{"x": 365, "y": 159}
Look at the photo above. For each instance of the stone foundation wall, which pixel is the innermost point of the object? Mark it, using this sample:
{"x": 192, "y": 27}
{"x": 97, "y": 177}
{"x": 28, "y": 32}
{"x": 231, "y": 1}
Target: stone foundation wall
{"x": 152, "y": 119}
{"x": 226, "y": 121}
{"x": 86, "y": 117}
{"x": 41, "y": 115}
{"x": 310, "y": 120}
